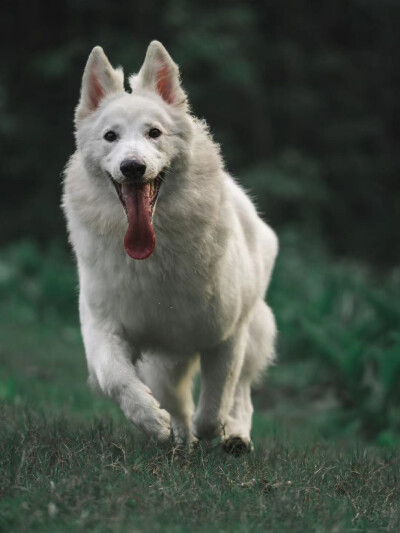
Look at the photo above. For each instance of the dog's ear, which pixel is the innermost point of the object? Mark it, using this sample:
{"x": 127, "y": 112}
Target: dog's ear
{"x": 159, "y": 73}
{"x": 99, "y": 80}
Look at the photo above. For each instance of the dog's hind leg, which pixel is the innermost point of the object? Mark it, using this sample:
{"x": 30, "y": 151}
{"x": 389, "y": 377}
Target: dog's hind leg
{"x": 259, "y": 355}
{"x": 220, "y": 371}
{"x": 171, "y": 384}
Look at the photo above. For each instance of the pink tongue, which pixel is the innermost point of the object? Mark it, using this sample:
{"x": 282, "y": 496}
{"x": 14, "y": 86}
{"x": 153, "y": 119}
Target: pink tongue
{"x": 139, "y": 241}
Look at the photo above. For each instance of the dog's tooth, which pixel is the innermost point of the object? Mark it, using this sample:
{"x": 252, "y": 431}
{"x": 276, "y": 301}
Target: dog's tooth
{"x": 123, "y": 188}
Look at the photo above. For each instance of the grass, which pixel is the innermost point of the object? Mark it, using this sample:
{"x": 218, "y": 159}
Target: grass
{"x": 69, "y": 461}
{"x": 69, "y": 476}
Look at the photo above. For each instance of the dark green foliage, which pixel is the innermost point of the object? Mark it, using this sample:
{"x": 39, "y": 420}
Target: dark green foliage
{"x": 301, "y": 95}
{"x": 343, "y": 321}
{"x": 37, "y": 284}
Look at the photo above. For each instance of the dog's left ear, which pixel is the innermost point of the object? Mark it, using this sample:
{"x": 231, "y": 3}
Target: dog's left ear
{"x": 99, "y": 80}
{"x": 159, "y": 73}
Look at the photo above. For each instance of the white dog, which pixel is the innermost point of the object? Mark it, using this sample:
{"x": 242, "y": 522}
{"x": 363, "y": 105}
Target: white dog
{"x": 147, "y": 183}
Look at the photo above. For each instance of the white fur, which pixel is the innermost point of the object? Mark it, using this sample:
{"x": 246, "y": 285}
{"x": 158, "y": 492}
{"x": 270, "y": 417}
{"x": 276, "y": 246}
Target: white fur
{"x": 200, "y": 295}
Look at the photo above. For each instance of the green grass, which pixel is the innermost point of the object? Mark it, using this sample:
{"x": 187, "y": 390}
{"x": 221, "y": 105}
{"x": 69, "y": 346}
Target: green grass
{"x": 60, "y": 475}
{"x": 326, "y": 427}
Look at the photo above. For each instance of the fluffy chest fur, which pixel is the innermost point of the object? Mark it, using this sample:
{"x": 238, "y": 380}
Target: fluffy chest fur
{"x": 164, "y": 304}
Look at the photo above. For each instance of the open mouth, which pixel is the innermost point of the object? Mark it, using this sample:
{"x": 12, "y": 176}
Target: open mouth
{"x": 139, "y": 201}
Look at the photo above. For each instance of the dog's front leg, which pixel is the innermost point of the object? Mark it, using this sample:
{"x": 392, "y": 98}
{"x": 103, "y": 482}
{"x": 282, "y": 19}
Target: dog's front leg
{"x": 220, "y": 369}
{"x": 109, "y": 361}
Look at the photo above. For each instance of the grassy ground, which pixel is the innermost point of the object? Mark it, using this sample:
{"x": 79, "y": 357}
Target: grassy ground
{"x": 70, "y": 462}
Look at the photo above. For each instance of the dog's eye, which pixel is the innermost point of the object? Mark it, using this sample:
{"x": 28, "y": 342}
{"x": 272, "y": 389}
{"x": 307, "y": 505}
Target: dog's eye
{"x": 110, "y": 136}
{"x": 154, "y": 133}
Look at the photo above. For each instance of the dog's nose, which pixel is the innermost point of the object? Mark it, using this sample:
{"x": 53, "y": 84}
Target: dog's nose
{"x": 132, "y": 169}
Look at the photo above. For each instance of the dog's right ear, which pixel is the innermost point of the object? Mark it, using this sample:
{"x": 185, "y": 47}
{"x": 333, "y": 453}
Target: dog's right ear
{"x": 99, "y": 80}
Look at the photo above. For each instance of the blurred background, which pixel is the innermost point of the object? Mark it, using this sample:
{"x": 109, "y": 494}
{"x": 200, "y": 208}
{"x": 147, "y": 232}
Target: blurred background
{"x": 303, "y": 97}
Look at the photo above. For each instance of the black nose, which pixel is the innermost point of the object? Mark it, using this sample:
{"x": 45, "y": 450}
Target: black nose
{"x": 132, "y": 169}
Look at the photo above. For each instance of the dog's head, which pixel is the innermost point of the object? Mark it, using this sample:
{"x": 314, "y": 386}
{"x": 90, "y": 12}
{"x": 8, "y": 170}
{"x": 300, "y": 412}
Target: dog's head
{"x": 130, "y": 141}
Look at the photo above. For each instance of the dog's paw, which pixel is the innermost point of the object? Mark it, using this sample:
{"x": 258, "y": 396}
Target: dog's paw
{"x": 157, "y": 425}
{"x": 206, "y": 429}
{"x": 237, "y": 446}
{"x": 182, "y": 432}
{"x": 149, "y": 418}
{"x": 188, "y": 442}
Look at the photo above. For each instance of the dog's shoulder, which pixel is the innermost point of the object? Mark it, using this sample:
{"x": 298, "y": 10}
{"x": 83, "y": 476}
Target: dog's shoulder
{"x": 253, "y": 234}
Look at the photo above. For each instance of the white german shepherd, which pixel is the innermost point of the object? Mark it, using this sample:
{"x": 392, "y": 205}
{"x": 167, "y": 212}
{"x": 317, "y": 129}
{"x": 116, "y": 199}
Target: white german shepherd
{"x": 173, "y": 260}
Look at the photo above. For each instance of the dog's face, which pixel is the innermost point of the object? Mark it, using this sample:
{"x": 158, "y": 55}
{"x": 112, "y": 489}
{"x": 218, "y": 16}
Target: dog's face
{"x": 129, "y": 141}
